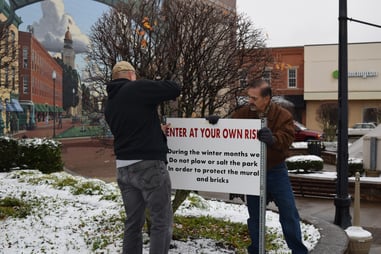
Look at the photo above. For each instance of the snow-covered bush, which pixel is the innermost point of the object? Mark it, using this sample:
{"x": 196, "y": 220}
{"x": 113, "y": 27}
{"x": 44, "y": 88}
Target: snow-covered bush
{"x": 304, "y": 163}
{"x": 35, "y": 153}
{"x": 355, "y": 165}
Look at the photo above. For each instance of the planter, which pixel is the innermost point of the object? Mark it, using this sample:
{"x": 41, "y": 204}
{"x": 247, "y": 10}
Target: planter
{"x": 360, "y": 240}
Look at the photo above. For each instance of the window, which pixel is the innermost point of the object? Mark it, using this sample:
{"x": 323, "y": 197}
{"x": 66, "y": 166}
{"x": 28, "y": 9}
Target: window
{"x": 25, "y": 57}
{"x": 25, "y": 85}
{"x": 13, "y": 40}
{"x": 292, "y": 78}
{"x": 7, "y": 76}
{"x": 267, "y": 75}
{"x": 371, "y": 115}
{"x": 6, "y": 37}
{"x": 13, "y": 78}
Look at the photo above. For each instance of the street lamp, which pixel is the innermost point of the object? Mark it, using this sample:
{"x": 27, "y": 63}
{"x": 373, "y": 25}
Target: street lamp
{"x": 342, "y": 198}
{"x": 54, "y": 76}
{"x": 73, "y": 100}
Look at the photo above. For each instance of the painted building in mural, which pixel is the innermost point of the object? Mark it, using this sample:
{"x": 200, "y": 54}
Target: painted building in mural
{"x": 39, "y": 90}
{"x": 9, "y": 93}
{"x": 364, "y": 80}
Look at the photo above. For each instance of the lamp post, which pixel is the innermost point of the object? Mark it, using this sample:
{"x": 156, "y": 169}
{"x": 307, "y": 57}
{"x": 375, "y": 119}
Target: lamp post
{"x": 342, "y": 199}
{"x": 54, "y": 76}
{"x": 73, "y": 101}
{"x": 1, "y": 119}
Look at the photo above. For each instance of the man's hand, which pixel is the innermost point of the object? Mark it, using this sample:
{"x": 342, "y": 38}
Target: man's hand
{"x": 212, "y": 119}
{"x": 265, "y": 135}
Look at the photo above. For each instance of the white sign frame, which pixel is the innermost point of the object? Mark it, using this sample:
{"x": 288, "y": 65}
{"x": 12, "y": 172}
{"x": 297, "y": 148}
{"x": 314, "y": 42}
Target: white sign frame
{"x": 225, "y": 157}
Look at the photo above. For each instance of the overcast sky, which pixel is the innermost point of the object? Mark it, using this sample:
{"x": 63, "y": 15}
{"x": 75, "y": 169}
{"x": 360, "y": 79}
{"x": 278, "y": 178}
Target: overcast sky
{"x": 285, "y": 23}
{"x": 303, "y": 22}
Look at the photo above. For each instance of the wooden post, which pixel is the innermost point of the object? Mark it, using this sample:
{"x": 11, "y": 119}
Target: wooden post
{"x": 356, "y": 213}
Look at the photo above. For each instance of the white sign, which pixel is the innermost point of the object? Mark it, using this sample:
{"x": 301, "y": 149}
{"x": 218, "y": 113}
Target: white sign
{"x": 225, "y": 157}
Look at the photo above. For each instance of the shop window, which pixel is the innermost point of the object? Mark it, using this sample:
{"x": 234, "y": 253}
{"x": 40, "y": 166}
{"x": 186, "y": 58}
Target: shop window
{"x": 371, "y": 115}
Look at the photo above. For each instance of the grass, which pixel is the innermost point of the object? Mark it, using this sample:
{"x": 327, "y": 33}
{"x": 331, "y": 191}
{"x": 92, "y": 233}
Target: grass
{"x": 229, "y": 235}
{"x": 82, "y": 131}
{"x": 13, "y": 207}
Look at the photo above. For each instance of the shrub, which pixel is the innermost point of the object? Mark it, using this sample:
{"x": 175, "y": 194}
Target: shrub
{"x": 41, "y": 154}
{"x": 355, "y": 165}
{"x": 8, "y": 151}
{"x": 304, "y": 163}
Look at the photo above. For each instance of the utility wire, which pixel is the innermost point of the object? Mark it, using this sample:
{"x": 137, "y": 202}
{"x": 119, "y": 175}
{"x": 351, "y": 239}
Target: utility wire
{"x": 363, "y": 22}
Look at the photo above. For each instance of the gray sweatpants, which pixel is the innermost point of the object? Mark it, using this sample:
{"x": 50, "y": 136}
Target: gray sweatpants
{"x": 146, "y": 184}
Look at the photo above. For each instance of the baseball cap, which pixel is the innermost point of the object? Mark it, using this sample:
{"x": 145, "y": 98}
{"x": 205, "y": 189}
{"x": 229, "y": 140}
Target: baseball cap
{"x": 122, "y": 66}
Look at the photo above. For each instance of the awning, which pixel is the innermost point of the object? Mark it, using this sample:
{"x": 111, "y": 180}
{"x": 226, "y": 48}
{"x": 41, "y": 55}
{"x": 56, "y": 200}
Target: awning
{"x": 44, "y": 108}
{"x": 37, "y": 107}
{"x": 40, "y": 107}
{"x": 14, "y": 106}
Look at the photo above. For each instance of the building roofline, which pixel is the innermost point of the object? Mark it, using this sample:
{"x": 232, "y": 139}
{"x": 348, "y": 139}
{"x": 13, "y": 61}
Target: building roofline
{"x": 349, "y": 43}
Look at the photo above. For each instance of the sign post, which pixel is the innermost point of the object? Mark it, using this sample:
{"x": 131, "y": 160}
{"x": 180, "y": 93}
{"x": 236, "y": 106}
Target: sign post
{"x": 262, "y": 197}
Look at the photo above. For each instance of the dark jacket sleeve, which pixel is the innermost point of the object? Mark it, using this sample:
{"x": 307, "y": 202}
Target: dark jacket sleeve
{"x": 157, "y": 91}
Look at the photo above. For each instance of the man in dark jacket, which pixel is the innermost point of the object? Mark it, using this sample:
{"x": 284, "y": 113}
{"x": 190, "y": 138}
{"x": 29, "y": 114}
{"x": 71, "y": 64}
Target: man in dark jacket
{"x": 140, "y": 148}
{"x": 278, "y": 136}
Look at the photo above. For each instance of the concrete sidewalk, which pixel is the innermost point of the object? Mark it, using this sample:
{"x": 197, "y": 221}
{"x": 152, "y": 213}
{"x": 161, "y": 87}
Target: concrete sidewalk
{"x": 370, "y": 217}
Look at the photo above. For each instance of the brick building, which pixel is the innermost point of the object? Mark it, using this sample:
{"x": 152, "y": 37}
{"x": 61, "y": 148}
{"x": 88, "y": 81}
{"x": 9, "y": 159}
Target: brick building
{"x": 286, "y": 76}
{"x": 36, "y": 83}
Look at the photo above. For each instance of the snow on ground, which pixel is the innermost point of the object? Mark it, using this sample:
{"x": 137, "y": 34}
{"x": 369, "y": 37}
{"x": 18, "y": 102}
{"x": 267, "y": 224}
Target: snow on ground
{"x": 63, "y": 222}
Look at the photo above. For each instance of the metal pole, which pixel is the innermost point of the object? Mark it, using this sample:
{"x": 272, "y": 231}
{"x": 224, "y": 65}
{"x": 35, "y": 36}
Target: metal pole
{"x": 54, "y": 103}
{"x": 342, "y": 200}
{"x": 262, "y": 195}
{"x": 1, "y": 119}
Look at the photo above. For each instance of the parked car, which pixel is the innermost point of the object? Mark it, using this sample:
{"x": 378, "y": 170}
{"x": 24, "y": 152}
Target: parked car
{"x": 302, "y": 133}
{"x": 360, "y": 129}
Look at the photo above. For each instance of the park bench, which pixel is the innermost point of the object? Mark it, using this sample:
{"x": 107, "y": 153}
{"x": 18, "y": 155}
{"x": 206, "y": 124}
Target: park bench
{"x": 313, "y": 187}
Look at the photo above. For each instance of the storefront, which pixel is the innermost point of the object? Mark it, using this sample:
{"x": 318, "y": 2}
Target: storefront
{"x": 364, "y": 81}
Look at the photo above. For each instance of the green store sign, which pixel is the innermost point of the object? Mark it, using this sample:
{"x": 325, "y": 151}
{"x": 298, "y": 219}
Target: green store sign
{"x": 357, "y": 74}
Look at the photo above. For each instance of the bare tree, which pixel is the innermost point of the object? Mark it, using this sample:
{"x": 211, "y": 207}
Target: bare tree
{"x": 203, "y": 47}
{"x": 209, "y": 47}
{"x": 327, "y": 117}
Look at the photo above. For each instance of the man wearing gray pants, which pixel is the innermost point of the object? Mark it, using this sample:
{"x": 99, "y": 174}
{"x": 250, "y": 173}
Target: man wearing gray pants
{"x": 140, "y": 147}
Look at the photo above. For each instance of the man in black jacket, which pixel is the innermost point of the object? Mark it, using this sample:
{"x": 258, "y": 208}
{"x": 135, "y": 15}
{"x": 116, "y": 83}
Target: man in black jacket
{"x": 140, "y": 148}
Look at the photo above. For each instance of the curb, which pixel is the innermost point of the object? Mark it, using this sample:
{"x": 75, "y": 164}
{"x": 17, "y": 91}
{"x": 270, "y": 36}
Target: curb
{"x": 333, "y": 239}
